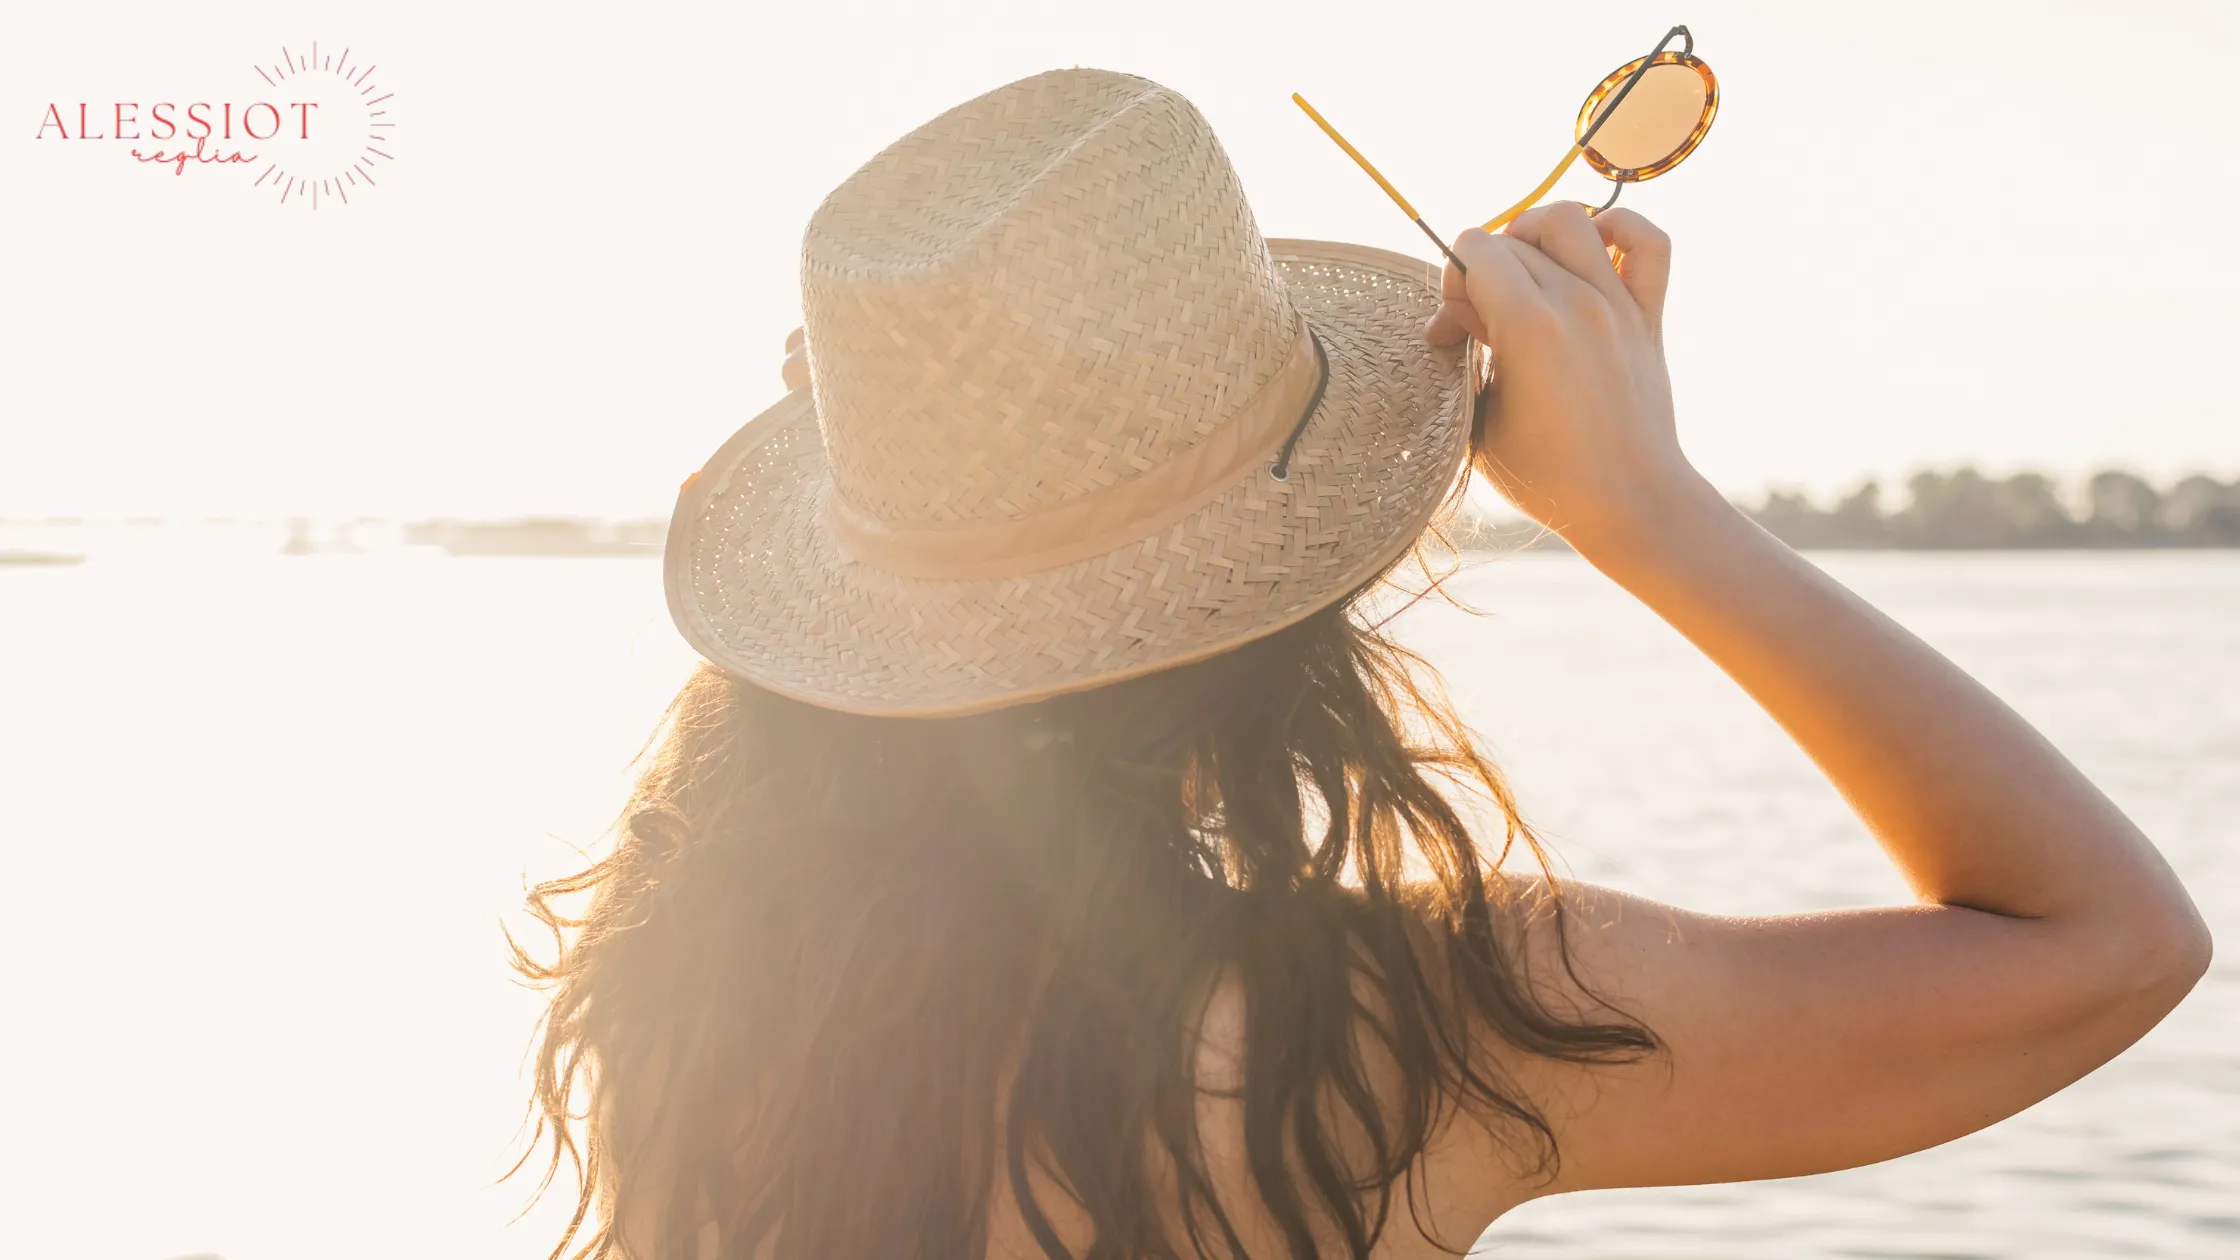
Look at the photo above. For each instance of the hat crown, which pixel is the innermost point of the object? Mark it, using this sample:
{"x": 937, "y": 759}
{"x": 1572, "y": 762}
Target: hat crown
{"x": 1034, "y": 299}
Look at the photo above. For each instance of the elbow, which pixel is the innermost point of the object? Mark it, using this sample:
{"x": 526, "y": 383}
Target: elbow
{"x": 2135, "y": 950}
{"x": 2192, "y": 955}
{"x": 2165, "y": 954}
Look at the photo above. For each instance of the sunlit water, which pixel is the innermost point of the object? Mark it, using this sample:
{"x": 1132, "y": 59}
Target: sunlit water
{"x": 261, "y": 818}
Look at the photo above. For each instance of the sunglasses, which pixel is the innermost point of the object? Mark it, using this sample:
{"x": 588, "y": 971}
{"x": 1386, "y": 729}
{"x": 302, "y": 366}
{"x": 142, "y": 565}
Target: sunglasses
{"x": 1642, "y": 120}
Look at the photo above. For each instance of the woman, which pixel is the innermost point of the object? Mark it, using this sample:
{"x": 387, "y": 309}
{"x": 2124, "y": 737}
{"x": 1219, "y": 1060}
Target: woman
{"x": 1053, "y": 862}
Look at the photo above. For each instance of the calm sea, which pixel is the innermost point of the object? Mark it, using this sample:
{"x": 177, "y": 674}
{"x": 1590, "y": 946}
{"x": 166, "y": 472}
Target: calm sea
{"x": 263, "y": 816}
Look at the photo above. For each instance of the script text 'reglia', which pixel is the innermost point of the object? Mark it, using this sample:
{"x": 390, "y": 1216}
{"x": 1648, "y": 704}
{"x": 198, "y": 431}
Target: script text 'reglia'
{"x": 258, "y": 120}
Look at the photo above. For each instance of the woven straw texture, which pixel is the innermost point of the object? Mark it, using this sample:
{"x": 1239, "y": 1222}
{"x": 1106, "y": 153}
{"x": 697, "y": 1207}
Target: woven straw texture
{"x": 1052, "y": 359}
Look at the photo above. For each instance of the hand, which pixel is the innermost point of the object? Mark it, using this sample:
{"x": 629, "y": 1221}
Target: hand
{"x": 796, "y": 369}
{"x": 1580, "y": 434}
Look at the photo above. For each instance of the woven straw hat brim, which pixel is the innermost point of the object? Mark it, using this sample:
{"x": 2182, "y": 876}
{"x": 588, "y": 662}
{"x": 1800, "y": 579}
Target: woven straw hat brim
{"x": 760, "y": 586}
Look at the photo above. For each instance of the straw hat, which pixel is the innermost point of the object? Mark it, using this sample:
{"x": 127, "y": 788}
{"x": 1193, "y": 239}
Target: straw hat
{"x": 1071, "y": 419}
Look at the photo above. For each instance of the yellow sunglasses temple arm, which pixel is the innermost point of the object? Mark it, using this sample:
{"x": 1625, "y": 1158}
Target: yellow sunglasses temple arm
{"x": 1378, "y": 176}
{"x": 1497, "y": 222}
{"x": 1355, "y": 154}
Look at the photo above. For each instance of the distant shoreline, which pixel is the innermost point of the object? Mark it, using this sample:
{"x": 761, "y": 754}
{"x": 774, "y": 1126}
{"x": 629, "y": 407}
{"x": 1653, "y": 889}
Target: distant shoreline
{"x": 1958, "y": 510}
{"x": 1963, "y": 510}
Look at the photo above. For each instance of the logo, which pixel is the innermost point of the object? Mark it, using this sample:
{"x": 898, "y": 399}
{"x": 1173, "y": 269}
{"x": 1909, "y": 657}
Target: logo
{"x": 309, "y": 128}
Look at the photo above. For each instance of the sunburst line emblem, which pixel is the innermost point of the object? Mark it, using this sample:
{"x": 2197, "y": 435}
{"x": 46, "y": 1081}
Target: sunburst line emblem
{"x": 346, "y": 98}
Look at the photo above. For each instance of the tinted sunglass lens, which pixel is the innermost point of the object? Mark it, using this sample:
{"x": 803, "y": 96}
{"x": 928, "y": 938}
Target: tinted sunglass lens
{"x": 1654, "y": 122}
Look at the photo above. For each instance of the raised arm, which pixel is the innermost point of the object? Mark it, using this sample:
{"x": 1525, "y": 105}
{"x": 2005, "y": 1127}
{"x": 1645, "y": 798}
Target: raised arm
{"x": 2047, "y": 933}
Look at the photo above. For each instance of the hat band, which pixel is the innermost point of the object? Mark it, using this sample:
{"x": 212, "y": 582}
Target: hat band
{"x": 1133, "y": 511}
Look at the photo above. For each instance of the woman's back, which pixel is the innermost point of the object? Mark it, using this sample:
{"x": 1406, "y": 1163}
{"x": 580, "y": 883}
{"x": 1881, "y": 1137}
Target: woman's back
{"x": 1155, "y": 943}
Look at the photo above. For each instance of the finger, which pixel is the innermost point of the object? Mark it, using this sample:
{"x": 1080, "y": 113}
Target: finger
{"x": 1644, "y": 257}
{"x": 1555, "y": 280}
{"x": 1559, "y": 289}
{"x": 1502, "y": 290}
{"x": 1562, "y": 231}
{"x": 793, "y": 341}
{"x": 796, "y": 371}
{"x": 1452, "y": 322}
{"x": 1455, "y": 318}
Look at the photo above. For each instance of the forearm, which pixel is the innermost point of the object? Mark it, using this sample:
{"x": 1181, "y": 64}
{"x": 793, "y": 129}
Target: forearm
{"x": 1973, "y": 805}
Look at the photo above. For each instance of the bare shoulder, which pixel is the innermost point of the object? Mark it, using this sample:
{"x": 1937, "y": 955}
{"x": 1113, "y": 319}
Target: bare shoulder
{"x": 1484, "y": 1155}
{"x": 1565, "y": 946}
{"x": 1469, "y": 1175}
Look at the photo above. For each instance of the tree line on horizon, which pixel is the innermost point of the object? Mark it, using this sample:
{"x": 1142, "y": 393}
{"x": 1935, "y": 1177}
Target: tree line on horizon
{"x": 1962, "y": 509}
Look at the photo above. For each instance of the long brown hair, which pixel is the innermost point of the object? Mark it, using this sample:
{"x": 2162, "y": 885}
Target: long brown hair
{"x": 841, "y": 978}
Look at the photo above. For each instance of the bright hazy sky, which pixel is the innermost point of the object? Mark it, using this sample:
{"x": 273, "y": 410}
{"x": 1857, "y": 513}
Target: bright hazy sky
{"x": 1918, "y": 233}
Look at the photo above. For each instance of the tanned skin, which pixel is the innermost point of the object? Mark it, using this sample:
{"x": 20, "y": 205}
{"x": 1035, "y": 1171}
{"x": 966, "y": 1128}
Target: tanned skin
{"x": 2046, "y": 933}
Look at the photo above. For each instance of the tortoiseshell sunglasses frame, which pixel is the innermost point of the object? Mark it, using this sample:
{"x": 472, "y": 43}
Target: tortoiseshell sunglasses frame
{"x": 1640, "y": 65}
